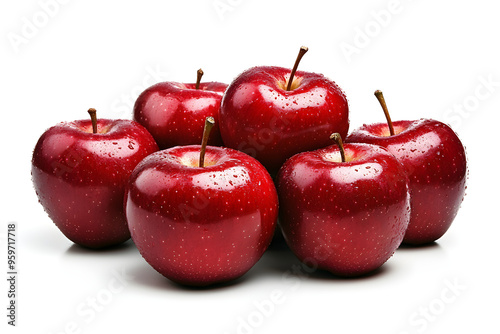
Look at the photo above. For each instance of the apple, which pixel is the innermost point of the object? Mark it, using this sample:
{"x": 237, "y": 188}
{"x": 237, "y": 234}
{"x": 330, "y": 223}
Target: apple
{"x": 174, "y": 113}
{"x": 344, "y": 209}
{"x": 434, "y": 159}
{"x": 201, "y": 215}
{"x": 80, "y": 170}
{"x": 272, "y": 113}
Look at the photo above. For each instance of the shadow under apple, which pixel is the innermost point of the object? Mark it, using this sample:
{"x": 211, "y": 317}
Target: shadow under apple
{"x": 145, "y": 275}
{"x": 425, "y": 247}
{"x": 279, "y": 261}
{"x": 126, "y": 247}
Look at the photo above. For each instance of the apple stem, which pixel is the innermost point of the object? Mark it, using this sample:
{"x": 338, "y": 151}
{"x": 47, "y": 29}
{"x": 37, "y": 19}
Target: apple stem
{"x": 338, "y": 140}
{"x": 381, "y": 100}
{"x": 198, "y": 78}
{"x": 209, "y": 123}
{"x": 92, "y": 112}
{"x": 302, "y": 52}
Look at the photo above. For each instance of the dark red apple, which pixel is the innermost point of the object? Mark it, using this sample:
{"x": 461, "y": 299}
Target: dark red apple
{"x": 201, "y": 225}
{"x": 80, "y": 175}
{"x": 174, "y": 113}
{"x": 434, "y": 159}
{"x": 272, "y": 113}
{"x": 345, "y": 214}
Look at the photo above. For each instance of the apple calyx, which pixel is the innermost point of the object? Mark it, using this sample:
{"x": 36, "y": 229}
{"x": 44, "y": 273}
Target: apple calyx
{"x": 93, "y": 116}
{"x": 338, "y": 140}
{"x": 302, "y": 52}
{"x": 381, "y": 100}
{"x": 198, "y": 78}
{"x": 209, "y": 123}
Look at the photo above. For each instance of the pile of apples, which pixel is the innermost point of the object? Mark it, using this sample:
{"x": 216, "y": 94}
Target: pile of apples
{"x": 205, "y": 214}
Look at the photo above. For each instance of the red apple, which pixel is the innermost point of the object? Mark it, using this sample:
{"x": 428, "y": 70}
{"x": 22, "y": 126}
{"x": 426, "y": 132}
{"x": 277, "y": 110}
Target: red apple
{"x": 272, "y": 113}
{"x": 345, "y": 214}
{"x": 174, "y": 113}
{"x": 80, "y": 174}
{"x": 201, "y": 225}
{"x": 434, "y": 159}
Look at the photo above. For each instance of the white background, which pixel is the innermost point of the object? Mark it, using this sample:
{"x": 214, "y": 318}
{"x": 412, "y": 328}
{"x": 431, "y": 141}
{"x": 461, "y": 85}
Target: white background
{"x": 431, "y": 58}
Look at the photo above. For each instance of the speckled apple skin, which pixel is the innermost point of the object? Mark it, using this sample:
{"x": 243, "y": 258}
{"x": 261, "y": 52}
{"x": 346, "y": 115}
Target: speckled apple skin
{"x": 435, "y": 161}
{"x": 344, "y": 217}
{"x": 261, "y": 118}
{"x": 201, "y": 226}
{"x": 80, "y": 177}
{"x": 174, "y": 113}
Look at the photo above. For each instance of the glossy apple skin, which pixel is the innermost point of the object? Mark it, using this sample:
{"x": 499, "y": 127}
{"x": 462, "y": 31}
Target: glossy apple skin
{"x": 201, "y": 226}
{"x": 80, "y": 177}
{"x": 344, "y": 217}
{"x": 174, "y": 113}
{"x": 259, "y": 117}
{"x": 435, "y": 161}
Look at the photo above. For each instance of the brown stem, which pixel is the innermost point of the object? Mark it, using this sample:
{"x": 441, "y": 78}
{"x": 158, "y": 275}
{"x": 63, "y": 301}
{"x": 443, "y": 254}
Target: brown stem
{"x": 302, "y": 52}
{"x": 92, "y": 112}
{"x": 198, "y": 78}
{"x": 381, "y": 100}
{"x": 209, "y": 123}
{"x": 338, "y": 140}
